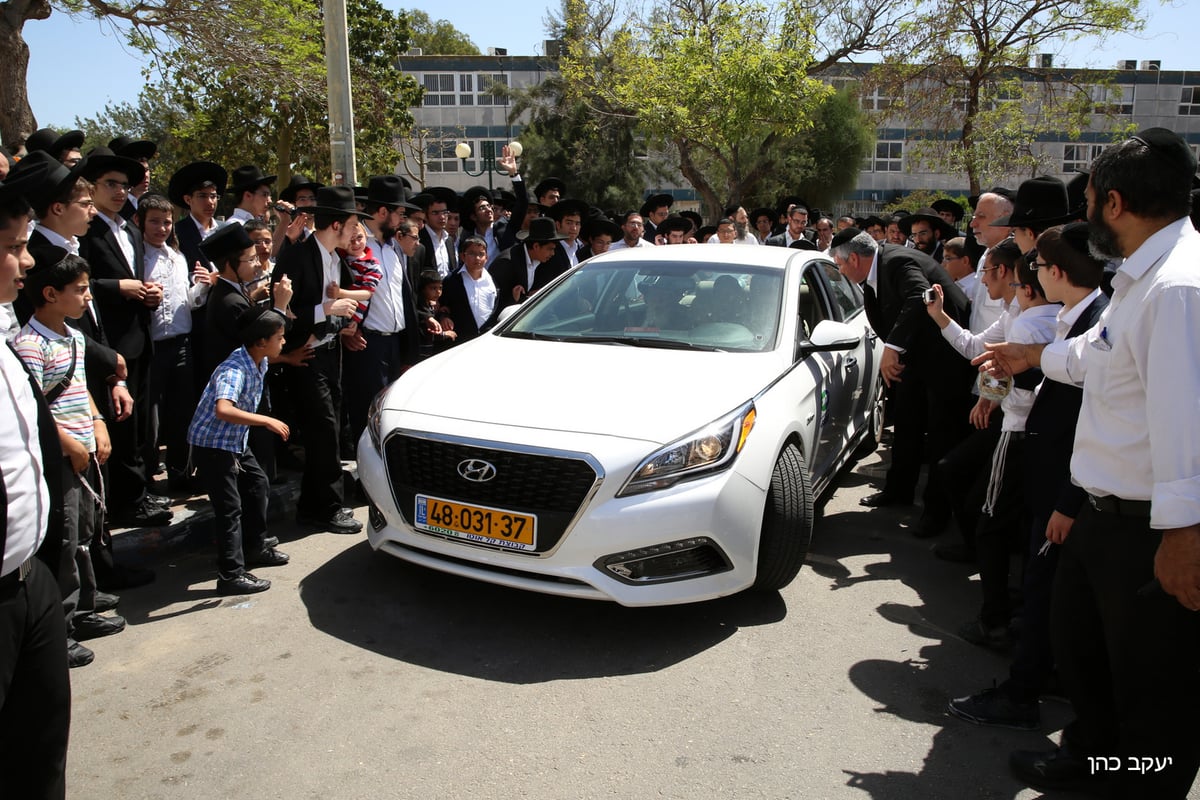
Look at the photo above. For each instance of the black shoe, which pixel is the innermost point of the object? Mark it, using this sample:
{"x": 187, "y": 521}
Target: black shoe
{"x": 106, "y": 602}
{"x": 270, "y": 541}
{"x": 267, "y": 557}
{"x": 78, "y": 655}
{"x": 881, "y": 499}
{"x": 93, "y": 626}
{"x": 955, "y": 552}
{"x": 997, "y": 708}
{"x": 342, "y": 521}
{"x": 1052, "y": 769}
{"x": 242, "y": 584}
{"x": 997, "y": 638}
{"x": 124, "y": 577}
{"x": 142, "y": 515}
{"x": 158, "y": 500}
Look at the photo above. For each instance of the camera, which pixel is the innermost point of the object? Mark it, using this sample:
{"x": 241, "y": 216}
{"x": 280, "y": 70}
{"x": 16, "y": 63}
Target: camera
{"x": 283, "y": 208}
{"x": 929, "y": 296}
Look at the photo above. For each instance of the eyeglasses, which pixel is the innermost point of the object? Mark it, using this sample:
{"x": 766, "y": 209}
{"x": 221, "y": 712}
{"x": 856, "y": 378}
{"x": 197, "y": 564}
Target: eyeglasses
{"x": 113, "y": 186}
{"x": 84, "y": 203}
{"x": 1036, "y": 265}
{"x": 251, "y": 260}
{"x": 989, "y": 269}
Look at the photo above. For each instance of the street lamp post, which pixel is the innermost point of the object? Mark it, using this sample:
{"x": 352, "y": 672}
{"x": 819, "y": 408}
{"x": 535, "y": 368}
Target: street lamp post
{"x": 487, "y": 159}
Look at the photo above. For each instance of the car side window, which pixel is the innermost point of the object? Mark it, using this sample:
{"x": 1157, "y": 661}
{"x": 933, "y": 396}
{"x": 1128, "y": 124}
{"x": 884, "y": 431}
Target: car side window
{"x": 846, "y": 293}
{"x": 812, "y": 303}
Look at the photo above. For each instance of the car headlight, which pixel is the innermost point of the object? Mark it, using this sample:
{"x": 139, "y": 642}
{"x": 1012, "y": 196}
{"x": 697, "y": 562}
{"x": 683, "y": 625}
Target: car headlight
{"x": 708, "y": 450}
{"x": 375, "y": 420}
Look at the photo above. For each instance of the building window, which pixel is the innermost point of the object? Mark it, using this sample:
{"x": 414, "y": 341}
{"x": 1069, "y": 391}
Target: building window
{"x": 843, "y": 84}
{"x": 466, "y": 96}
{"x": 889, "y": 157}
{"x": 493, "y": 90}
{"x": 1076, "y": 157}
{"x": 876, "y": 101}
{"x": 439, "y": 157}
{"x": 1113, "y": 100}
{"x": 1189, "y": 104}
{"x": 439, "y": 89}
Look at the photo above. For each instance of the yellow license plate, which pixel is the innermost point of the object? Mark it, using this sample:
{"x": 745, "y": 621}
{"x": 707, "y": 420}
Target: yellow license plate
{"x": 476, "y": 523}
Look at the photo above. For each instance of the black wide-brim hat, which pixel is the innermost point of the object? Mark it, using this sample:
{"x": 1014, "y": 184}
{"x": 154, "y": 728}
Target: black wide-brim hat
{"x": 52, "y": 142}
{"x": 443, "y": 193}
{"x": 566, "y": 207}
{"x": 546, "y": 184}
{"x": 471, "y": 196}
{"x": 947, "y": 230}
{"x": 541, "y": 230}
{"x": 595, "y": 225}
{"x": 57, "y": 177}
{"x": 227, "y": 239}
{"x": 190, "y": 176}
{"x": 947, "y": 206}
{"x": 101, "y": 160}
{"x": 387, "y": 191}
{"x": 654, "y": 201}
{"x": 295, "y": 184}
{"x": 20, "y": 184}
{"x": 674, "y": 223}
{"x": 1041, "y": 202}
{"x": 335, "y": 201}
{"x": 247, "y": 177}
{"x": 1077, "y": 194}
{"x": 133, "y": 148}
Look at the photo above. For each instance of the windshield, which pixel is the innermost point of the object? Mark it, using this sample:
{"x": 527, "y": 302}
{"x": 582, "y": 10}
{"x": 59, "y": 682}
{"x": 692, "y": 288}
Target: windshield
{"x": 696, "y": 306}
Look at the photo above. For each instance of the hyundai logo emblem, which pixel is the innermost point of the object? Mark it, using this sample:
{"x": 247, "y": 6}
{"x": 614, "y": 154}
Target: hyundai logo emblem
{"x": 476, "y": 470}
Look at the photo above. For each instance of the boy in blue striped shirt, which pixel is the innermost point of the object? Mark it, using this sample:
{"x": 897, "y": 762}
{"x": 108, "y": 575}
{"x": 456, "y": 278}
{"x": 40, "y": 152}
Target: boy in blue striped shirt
{"x": 219, "y": 435}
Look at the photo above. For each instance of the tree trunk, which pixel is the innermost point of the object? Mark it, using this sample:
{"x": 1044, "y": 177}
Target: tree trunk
{"x": 688, "y": 169}
{"x": 16, "y": 117}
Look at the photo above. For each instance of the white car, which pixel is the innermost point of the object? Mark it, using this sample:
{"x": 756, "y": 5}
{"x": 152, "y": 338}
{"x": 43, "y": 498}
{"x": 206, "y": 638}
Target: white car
{"x": 651, "y": 428}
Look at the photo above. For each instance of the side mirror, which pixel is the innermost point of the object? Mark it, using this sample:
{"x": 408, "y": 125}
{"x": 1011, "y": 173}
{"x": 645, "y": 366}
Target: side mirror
{"x": 829, "y": 337}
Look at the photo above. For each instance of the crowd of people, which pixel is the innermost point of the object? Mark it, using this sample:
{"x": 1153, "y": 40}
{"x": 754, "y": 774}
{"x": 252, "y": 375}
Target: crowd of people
{"x": 1040, "y": 366}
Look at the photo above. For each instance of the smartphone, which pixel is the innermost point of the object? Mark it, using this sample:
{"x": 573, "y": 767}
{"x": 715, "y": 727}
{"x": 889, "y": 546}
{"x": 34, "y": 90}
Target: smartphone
{"x": 929, "y": 296}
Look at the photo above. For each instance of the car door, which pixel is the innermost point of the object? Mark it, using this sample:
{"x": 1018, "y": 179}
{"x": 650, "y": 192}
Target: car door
{"x": 860, "y": 366}
{"x": 826, "y": 369}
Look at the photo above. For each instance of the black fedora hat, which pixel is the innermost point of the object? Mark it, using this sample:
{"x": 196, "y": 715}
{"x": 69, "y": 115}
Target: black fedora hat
{"x": 1041, "y": 202}
{"x": 247, "y": 177}
{"x": 674, "y": 222}
{"x": 504, "y": 198}
{"x": 101, "y": 160}
{"x": 335, "y": 201}
{"x": 53, "y": 142}
{"x": 225, "y": 240}
{"x": 948, "y": 206}
{"x": 57, "y": 178}
{"x": 1077, "y": 194}
{"x": 443, "y": 193}
{"x": 19, "y": 185}
{"x": 133, "y": 148}
{"x": 657, "y": 200}
{"x": 387, "y": 191}
{"x": 191, "y": 176}
{"x": 803, "y": 244}
{"x": 546, "y": 184}
{"x": 295, "y": 184}
{"x": 541, "y": 230}
{"x": 472, "y": 196}
{"x": 566, "y": 207}
{"x": 947, "y": 230}
{"x": 597, "y": 224}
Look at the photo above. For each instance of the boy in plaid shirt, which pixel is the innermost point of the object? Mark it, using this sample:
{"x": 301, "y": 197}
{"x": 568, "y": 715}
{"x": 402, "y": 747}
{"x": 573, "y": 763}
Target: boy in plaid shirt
{"x": 219, "y": 435}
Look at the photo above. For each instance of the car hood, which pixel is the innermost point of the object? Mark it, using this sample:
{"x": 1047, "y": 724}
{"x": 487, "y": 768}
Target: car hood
{"x": 635, "y": 392}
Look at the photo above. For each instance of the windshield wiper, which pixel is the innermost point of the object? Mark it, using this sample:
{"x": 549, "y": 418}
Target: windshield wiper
{"x": 649, "y": 341}
{"x": 541, "y": 337}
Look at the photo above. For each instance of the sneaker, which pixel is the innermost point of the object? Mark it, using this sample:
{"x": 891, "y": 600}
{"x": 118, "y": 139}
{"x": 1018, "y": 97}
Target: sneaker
{"x": 998, "y": 638}
{"x": 78, "y": 655}
{"x": 242, "y": 584}
{"x": 997, "y": 708}
{"x": 93, "y": 626}
{"x": 266, "y": 557}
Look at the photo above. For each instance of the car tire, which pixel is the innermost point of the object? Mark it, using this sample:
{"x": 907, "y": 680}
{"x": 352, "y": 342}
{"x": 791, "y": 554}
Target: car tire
{"x": 875, "y": 423}
{"x": 787, "y": 522}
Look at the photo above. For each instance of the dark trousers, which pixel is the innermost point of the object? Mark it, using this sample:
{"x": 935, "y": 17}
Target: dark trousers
{"x": 932, "y": 413}
{"x": 171, "y": 402}
{"x": 1033, "y": 659}
{"x": 35, "y": 693}
{"x": 965, "y": 471}
{"x": 318, "y": 395}
{"x": 1002, "y": 524}
{"x": 127, "y": 478}
{"x": 1128, "y": 655}
{"x": 239, "y": 492}
{"x": 367, "y": 371}
{"x": 76, "y": 575}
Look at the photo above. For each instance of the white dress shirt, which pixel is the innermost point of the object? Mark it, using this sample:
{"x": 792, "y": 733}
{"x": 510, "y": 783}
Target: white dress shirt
{"x": 984, "y": 310}
{"x": 619, "y": 244}
{"x": 385, "y": 309}
{"x": 120, "y": 229}
{"x": 21, "y": 464}
{"x": 1140, "y": 371}
{"x": 481, "y": 296}
{"x": 173, "y": 316}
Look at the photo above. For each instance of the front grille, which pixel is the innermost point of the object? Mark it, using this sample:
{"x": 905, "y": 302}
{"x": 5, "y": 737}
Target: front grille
{"x": 552, "y": 487}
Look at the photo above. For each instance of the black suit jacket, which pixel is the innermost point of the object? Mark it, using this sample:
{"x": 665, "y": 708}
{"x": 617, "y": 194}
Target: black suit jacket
{"x": 897, "y": 311}
{"x": 428, "y": 261}
{"x": 304, "y": 264}
{"x": 780, "y": 239}
{"x": 188, "y": 234}
{"x": 1050, "y": 436}
{"x": 559, "y": 262}
{"x": 126, "y": 322}
{"x": 226, "y": 303}
{"x": 509, "y": 271}
{"x": 454, "y": 297}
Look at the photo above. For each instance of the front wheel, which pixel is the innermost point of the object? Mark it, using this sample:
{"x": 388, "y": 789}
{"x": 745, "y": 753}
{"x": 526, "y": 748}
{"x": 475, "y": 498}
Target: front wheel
{"x": 787, "y": 522}
{"x": 875, "y": 422}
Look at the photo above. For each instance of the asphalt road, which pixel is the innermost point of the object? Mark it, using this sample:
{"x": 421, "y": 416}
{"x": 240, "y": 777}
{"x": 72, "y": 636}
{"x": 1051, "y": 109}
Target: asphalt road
{"x": 359, "y": 676}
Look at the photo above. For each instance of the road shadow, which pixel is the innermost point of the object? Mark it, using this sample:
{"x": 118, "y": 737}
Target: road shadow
{"x": 466, "y": 627}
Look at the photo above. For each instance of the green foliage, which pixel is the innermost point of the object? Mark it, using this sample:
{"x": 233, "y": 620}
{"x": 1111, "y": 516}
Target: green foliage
{"x": 438, "y": 38}
{"x": 924, "y": 198}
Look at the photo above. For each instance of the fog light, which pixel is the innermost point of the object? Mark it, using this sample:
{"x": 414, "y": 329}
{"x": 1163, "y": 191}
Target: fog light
{"x": 375, "y": 517}
{"x": 672, "y": 561}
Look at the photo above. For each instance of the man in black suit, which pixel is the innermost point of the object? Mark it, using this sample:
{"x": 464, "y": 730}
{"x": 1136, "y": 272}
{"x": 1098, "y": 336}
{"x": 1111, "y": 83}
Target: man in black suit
{"x": 141, "y": 151}
{"x": 522, "y": 269}
{"x": 35, "y": 692}
{"x": 312, "y": 266}
{"x": 113, "y": 250}
{"x": 797, "y": 224}
{"x": 438, "y": 248}
{"x": 931, "y": 381}
{"x": 654, "y": 210}
{"x": 196, "y": 188}
{"x": 568, "y": 215}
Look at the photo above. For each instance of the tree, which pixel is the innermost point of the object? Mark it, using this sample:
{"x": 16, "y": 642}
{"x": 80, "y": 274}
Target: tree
{"x": 438, "y": 38}
{"x": 963, "y": 65}
{"x": 727, "y": 87}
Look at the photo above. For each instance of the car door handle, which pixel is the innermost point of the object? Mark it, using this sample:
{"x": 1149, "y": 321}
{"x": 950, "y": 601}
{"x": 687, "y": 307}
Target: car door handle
{"x": 872, "y": 337}
{"x": 851, "y": 363}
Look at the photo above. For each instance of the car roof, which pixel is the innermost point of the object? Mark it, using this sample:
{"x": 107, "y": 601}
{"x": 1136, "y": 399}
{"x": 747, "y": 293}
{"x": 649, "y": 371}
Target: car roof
{"x": 723, "y": 254}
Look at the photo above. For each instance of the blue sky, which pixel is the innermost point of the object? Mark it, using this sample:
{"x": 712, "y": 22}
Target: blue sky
{"x": 77, "y": 66}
